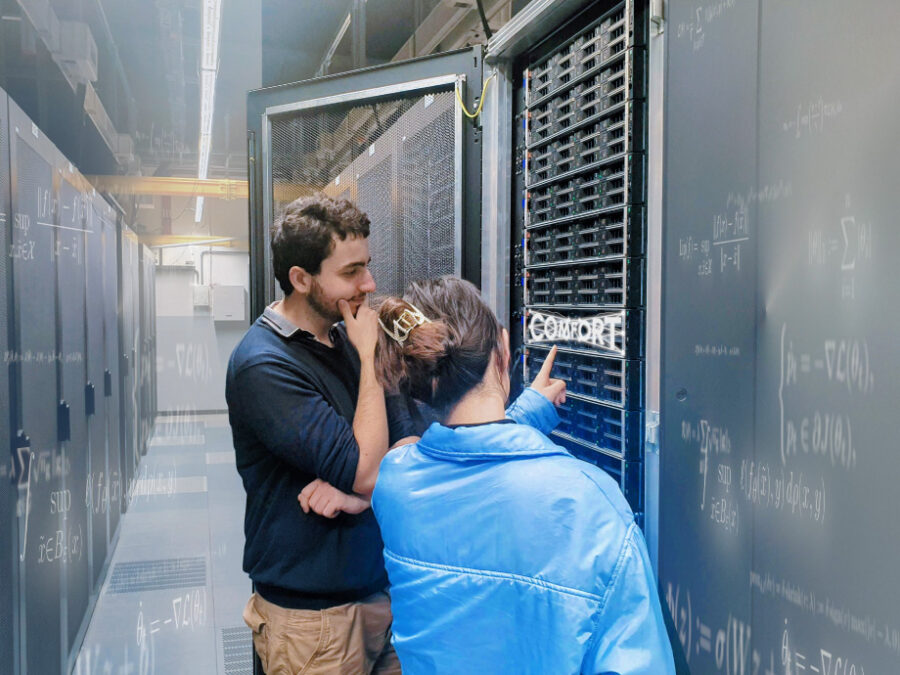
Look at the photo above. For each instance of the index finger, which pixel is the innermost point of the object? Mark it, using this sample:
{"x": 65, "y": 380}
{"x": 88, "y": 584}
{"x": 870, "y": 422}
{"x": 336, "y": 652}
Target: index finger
{"x": 548, "y": 364}
{"x": 344, "y": 308}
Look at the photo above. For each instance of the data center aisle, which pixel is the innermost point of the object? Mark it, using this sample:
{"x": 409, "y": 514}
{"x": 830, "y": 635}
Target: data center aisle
{"x": 174, "y": 592}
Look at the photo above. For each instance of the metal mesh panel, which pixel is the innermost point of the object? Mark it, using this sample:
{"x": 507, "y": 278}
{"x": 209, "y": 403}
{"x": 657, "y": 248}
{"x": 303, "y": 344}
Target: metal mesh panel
{"x": 155, "y": 575}
{"x": 427, "y": 191}
{"x": 237, "y": 651}
{"x": 397, "y": 160}
{"x": 374, "y": 189}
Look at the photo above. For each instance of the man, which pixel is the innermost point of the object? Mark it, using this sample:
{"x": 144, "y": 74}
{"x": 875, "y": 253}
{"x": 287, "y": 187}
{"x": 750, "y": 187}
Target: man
{"x": 304, "y": 405}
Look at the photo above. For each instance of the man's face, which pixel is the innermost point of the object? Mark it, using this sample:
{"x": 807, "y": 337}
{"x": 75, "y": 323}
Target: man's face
{"x": 344, "y": 275}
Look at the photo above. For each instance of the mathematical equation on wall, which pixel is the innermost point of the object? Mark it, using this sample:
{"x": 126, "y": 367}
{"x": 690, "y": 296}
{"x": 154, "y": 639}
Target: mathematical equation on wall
{"x": 818, "y": 430}
{"x": 74, "y": 223}
{"x": 879, "y": 632}
{"x": 102, "y": 492}
{"x": 730, "y": 486}
{"x": 722, "y": 251}
{"x": 696, "y": 28}
{"x": 811, "y": 117}
{"x": 842, "y": 247}
{"x": 726, "y": 643}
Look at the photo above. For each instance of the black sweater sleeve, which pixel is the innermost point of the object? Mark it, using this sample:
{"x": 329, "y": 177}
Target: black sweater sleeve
{"x": 295, "y": 423}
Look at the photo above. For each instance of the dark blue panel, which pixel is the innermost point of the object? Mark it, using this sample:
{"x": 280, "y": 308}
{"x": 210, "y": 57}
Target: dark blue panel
{"x": 70, "y": 269}
{"x": 779, "y": 536}
{"x": 111, "y": 486}
{"x": 96, "y": 365}
{"x": 707, "y": 391}
{"x": 8, "y": 491}
{"x": 129, "y": 350}
{"x": 41, "y": 532}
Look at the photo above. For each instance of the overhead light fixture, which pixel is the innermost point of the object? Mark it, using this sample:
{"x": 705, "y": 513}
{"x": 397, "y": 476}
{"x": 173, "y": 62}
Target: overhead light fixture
{"x": 209, "y": 68}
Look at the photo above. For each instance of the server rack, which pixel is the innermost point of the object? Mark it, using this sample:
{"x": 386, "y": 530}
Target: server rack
{"x": 74, "y": 221}
{"x": 148, "y": 344}
{"x": 60, "y": 308}
{"x": 129, "y": 370}
{"x": 111, "y": 485}
{"x": 34, "y": 391}
{"x": 95, "y": 391}
{"x": 8, "y": 472}
{"x": 578, "y": 223}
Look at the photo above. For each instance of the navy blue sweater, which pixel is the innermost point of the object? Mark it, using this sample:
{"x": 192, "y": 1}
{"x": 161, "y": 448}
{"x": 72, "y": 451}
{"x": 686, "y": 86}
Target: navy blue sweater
{"x": 291, "y": 402}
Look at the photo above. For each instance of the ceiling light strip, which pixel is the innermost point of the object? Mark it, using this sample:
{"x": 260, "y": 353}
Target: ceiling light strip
{"x": 212, "y": 15}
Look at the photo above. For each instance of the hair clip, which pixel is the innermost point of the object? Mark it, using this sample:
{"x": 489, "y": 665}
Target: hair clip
{"x": 408, "y": 319}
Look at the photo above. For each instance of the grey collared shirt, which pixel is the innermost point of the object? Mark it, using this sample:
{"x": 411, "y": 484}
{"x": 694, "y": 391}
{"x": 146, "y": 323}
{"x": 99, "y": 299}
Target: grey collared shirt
{"x": 286, "y": 329}
{"x": 278, "y": 322}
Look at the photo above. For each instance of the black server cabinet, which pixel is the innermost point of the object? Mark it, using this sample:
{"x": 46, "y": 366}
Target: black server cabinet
{"x": 578, "y": 230}
{"x": 96, "y": 364}
{"x": 35, "y": 396}
{"x": 64, "y": 330}
{"x": 128, "y": 376}
{"x": 112, "y": 485}
{"x": 9, "y": 472}
{"x": 73, "y": 222}
{"x": 148, "y": 360}
{"x": 136, "y": 349}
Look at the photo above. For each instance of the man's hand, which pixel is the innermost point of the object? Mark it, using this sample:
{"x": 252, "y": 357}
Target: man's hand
{"x": 326, "y": 500}
{"x": 552, "y": 389}
{"x": 361, "y": 329}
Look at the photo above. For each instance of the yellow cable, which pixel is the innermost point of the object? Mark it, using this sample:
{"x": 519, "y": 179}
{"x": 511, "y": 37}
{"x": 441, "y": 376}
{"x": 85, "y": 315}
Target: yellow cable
{"x": 462, "y": 105}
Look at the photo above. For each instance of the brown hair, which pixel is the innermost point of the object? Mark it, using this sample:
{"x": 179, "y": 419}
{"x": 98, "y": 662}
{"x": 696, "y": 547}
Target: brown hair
{"x": 441, "y": 361}
{"x": 303, "y": 235}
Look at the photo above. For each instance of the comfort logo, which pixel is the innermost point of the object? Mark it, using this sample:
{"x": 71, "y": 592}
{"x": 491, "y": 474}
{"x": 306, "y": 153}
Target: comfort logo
{"x": 603, "y": 331}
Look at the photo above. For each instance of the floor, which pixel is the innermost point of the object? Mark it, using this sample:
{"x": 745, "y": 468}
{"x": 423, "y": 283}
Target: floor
{"x": 172, "y": 598}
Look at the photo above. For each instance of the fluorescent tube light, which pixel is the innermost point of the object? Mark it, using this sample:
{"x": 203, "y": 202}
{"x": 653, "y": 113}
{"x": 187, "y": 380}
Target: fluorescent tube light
{"x": 212, "y": 20}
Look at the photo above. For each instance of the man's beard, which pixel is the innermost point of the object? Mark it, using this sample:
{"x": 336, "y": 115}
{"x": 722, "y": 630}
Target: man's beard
{"x": 321, "y": 304}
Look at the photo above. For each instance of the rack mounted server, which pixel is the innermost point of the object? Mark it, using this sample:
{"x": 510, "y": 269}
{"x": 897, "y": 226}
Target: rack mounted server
{"x": 579, "y": 230}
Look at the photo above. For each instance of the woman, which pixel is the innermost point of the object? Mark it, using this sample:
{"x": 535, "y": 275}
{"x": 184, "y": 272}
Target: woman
{"x": 505, "y": 554}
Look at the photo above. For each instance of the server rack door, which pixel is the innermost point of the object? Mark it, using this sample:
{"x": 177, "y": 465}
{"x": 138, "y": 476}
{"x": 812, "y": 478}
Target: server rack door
{"x": 40, "y": 545}
{"x": 127, "y": 378}
{"x": 111, "y": 486}
{"x": 95, "y": 392}
{"x": 142, "y": 349}
{"x": 135, "y": 351}
{"x": 394, "y": 140}
{"x": 8, "y": 469}
{"x": 69, "y": 255}
{"x": 147, "y": 363}
{"x": 153, "y": 399}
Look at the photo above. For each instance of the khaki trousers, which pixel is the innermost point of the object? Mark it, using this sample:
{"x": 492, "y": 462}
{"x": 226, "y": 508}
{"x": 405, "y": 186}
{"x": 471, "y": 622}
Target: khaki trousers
{"x": 350, "y": 639}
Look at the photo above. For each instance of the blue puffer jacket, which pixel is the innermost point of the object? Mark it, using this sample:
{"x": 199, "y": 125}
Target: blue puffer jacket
{"x": 508, "y": 555}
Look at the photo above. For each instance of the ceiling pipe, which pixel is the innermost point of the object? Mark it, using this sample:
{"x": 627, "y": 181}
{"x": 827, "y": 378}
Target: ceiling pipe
{"x": 131, "y": 121}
